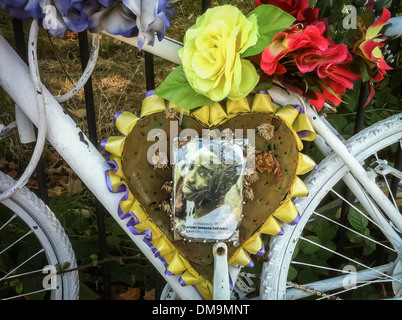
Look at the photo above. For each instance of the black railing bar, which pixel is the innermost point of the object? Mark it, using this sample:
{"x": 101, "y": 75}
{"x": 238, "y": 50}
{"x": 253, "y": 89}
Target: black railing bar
{"x": 93, "y": 137}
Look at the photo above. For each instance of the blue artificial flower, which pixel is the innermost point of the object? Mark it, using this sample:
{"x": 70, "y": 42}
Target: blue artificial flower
{"x": 129, "y": 18}
{"x": 16, "y": 8}
{"x": 107, "y": 3}
{"x": 142, "y": 18}
{"x": 57, "y": 16}
{"x": 393, "y": 28}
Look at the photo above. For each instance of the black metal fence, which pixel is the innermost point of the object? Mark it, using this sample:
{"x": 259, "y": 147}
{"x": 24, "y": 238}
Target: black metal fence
{"x": 21, "y": 49}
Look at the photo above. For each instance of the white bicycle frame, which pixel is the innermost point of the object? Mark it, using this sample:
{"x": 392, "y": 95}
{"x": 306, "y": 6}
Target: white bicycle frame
{"x": 84, "y": 158}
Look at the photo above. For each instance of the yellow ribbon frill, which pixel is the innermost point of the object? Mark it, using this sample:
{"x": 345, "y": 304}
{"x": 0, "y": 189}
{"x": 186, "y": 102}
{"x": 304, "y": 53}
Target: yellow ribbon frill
{"x": 211, "y": 116}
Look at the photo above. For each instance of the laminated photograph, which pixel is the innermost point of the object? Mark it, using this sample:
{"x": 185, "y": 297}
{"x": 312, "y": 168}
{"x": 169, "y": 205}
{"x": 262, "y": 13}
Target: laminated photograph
{"x": 208, "y": 188}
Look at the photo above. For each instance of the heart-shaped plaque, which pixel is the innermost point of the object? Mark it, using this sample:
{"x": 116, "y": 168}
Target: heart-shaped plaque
{"x": 141, "y": 170}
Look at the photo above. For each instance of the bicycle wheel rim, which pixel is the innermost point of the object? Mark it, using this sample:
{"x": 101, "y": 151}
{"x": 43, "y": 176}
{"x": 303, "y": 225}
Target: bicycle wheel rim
{"x": 25, "y": 272}
{"x": 275, "y": 272}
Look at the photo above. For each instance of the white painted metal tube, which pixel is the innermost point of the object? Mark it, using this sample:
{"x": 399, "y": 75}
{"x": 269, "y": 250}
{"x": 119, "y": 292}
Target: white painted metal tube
{"x": 74, "y": 147}
{"x": 25, "y": 127}
{"x": 221, "y": 272}
{"x": 166, "y": 49}
{"x": 39, "y": 100}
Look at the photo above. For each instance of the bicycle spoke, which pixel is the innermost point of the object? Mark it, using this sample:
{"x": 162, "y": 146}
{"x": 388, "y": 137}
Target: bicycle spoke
{"x": 11, "y": 219}
{"x": 335, "y": 286}
{"x": 328, "y": 242}
{"x": 296, "y": 291}
{"x": 26, "y": 294}
{"x": 317, "y": 266}
{"x": 394, "y": 238}
{"x": 21, "y": 275}
{"x": 354, "y": 207}
{"x": 31, "y": 238}
{"x": 354, "y": 231}
{"x": 363, "y": 284}
{"x": 349, "y": 259}
{"x": 16, "y": 241}
{"x": 21, "y": 264}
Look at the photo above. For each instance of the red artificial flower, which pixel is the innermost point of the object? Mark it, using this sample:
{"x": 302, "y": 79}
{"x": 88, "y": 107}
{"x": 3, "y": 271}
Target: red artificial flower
{"x": 290, "y": 41}
{"x": 311, "y": 59}
{"x": 315, "y": 55}
{"x": 369, "y": 47}
{"x": 299, "y": 9}
{"x": 340, "y": 75}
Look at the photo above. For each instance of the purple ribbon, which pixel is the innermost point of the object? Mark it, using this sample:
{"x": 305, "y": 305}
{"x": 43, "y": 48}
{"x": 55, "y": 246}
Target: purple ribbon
{"x": 133, "y": 221}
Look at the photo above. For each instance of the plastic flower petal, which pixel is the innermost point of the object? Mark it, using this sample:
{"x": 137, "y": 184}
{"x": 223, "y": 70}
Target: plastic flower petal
{"x": 369, "y": 47}
{"x": 373, "y": 55}
{"x": 375, "y": 29}
{"x": 211, "y": 54}
{"x": 16, "y": 8}
{"x": 106, "y": 3}
{"x": 393, "y": 28}
{"x": 324, "y": 64}
{"x": 57, "y": 16}
{"x": 131, "y": 18}
{"x": 290, "y": 41}
{"x": 142, "y": 18}
{"x": 300, "y": 9}
{"x": 118, "y": 20}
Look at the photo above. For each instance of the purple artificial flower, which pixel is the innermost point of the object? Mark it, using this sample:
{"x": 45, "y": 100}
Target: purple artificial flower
{"x": 57, "y": 16}
{"x": 129, "y": 18}
{"x": 16, "y": 8}
{"x": 142, "y": 18}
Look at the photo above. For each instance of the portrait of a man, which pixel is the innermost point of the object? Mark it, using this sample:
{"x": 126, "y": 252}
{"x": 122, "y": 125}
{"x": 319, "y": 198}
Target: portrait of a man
{"x": 208, "y": 185}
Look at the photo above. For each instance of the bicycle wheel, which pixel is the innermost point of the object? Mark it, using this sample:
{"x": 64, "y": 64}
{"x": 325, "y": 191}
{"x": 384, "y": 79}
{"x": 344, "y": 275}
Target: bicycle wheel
{"x": 335, "y": 253}
{"x": 33, "y": 247}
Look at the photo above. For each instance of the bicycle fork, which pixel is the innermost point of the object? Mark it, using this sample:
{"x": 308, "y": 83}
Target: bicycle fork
{"x": 221, "y": 272}
{"x": 357, "y": 178}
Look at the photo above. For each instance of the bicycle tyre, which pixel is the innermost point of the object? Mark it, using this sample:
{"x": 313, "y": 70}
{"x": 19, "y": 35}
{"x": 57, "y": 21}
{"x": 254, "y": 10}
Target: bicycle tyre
{"x": 330, "y": 171}
{"x": 31, "y": 213}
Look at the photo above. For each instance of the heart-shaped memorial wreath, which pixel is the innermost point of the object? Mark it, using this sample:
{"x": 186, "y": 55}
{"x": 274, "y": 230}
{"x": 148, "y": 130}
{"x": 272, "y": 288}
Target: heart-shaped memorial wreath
{"x": 261, "y": 193}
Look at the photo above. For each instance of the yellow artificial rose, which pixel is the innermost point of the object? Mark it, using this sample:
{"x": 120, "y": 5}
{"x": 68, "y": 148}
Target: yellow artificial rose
{"x": 211, "y": 54}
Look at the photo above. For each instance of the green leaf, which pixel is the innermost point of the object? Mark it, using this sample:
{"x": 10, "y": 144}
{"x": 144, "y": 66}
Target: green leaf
{"x": 264, "y": 85}
{"x": 17, "y": 284}
{"x": 363, "y": 70}
{"x": 324, "y": 230}
{"x": 339, "y": 123}
{"x": 292, "y": 274}
{"x": 66, "y": 265}
{"x": 324, "y": 254}
{"x": 308, "y": 247}
{"x": 354, "y": 238}
{"x": 176, "y": 89}
{"x": 307, "y": 275}
{"x": 94, "y": 258}
{"x": 357, "y": 220}
{"x": 271, "y": 20}
{"x": 351, "y": 100}
{"x": 370, "y": 245}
